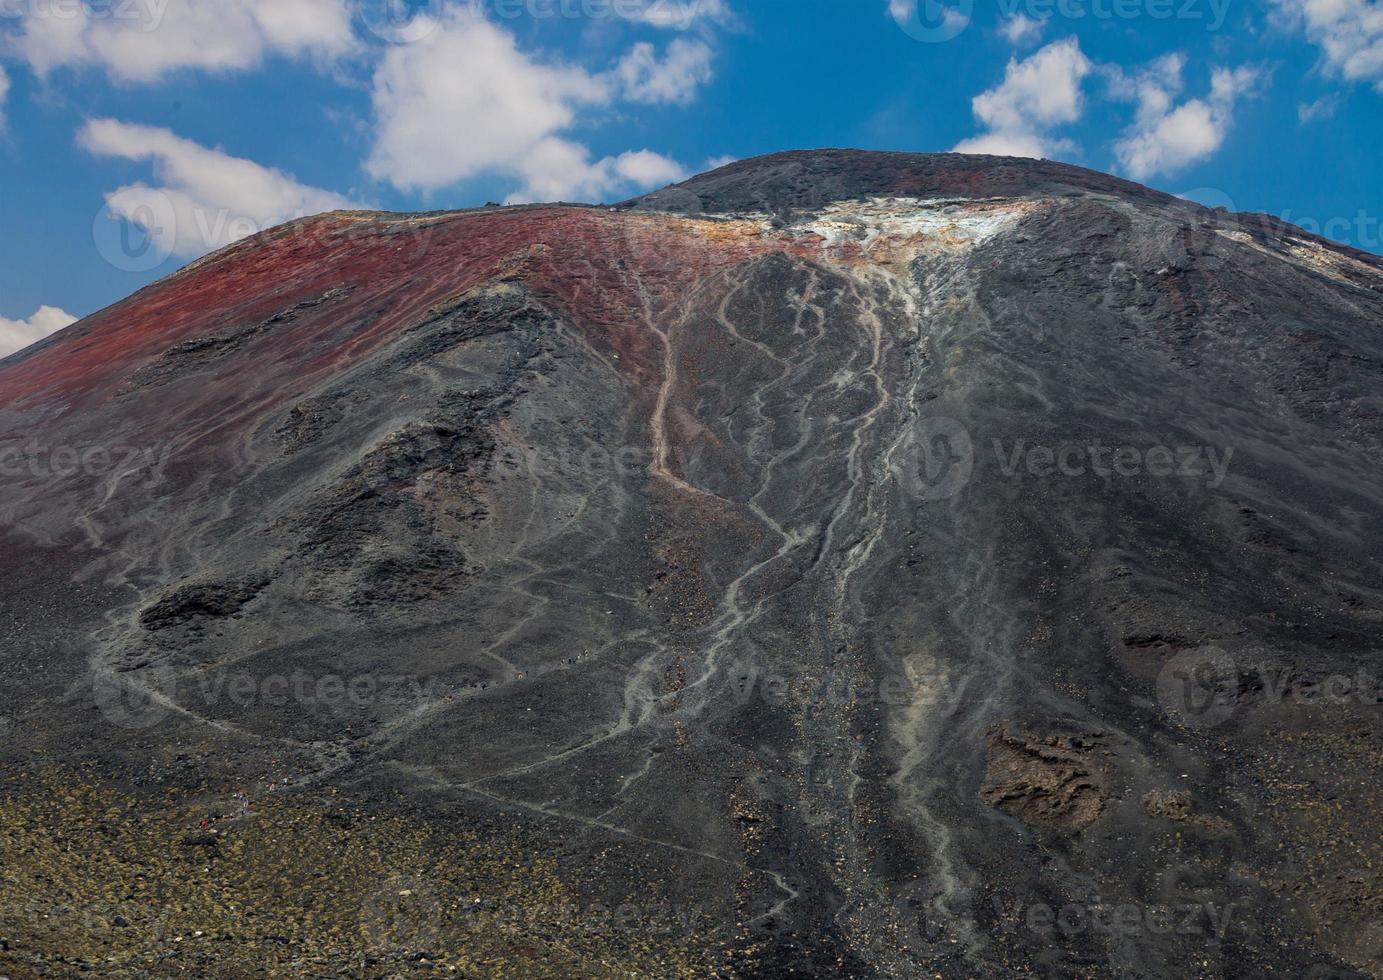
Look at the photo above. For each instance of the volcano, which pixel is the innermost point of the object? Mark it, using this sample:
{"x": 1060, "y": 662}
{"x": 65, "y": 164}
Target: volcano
{"x": 839, "y": 564}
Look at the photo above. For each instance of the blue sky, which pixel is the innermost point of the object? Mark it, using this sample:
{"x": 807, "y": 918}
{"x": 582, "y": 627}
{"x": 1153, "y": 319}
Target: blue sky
{"x": 138, "y": 134}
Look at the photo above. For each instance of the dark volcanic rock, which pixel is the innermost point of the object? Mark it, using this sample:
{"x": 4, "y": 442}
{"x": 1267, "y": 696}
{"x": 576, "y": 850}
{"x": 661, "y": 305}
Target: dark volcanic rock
{"x": 803, "y": 180}
{"x": 1050, "y": 781}
{"x": 191, "y": 602}
{"x": 839, "y": 564}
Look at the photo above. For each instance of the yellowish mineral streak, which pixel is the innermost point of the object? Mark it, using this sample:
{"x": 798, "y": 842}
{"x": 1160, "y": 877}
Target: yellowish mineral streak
{"x": 890, "y": 231}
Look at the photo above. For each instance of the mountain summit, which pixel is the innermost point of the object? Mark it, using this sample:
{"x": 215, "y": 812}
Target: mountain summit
{"x": 838, "y": 564}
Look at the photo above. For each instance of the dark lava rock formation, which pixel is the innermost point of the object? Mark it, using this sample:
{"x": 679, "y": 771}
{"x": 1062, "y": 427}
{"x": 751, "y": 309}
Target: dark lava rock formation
{"x": 840, "y": 564}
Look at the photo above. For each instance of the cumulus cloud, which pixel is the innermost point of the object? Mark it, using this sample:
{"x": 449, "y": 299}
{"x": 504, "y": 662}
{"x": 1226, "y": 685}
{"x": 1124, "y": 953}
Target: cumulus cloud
{"x": 1020, "y": 29}
{"x": 1348, "y": 32}
{"x": 673, "y": 79}
{"x": 1037, "y": 94}
{"x": 647, "y": 169}
{"x": 141, "y": 41}
{"x": 1012, "y": 144}
{"x": 465, "y": 101}
{"x": 205, "y": 198}
{"x": 1167, "y": 137}
{"x": 561, "y": 170}
{"x": 17, "y": 334}
{"x": 4, "y": 93}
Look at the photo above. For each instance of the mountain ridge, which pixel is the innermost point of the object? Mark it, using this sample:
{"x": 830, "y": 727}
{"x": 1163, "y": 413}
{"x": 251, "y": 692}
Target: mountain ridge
{"x": 875, "y": 581}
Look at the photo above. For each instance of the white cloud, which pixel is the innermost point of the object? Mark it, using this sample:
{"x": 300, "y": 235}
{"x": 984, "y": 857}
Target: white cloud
{"x": 1012, "y": 144}
{"x": 1020, "y": 29}
{"x": 647, "y": 169}
{"x": 675, "y": 79}
{"x": 1320, "y": 109}
{"x": 143, "y": 40}
{"x": 1165, "y": 137}
{"x": 465, "y": 101}
{"x": 561, "y": 170}
{"x": 4, "y": 93}
{"x": 207, "y": 198}
{"x": 1348, "y": 32}
{"x": 17, "y": 334}
{"x": 676, "y": 14}
{"x": 1037, "y": 94}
